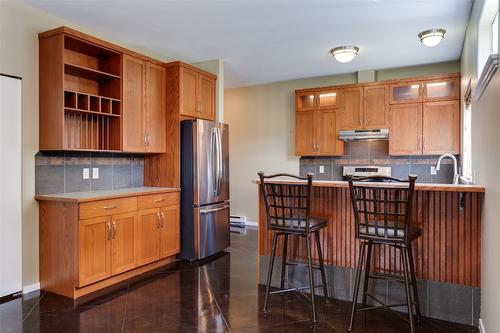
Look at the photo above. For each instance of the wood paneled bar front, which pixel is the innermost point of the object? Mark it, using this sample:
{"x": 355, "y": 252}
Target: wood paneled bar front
{"x": 448, "y": 251}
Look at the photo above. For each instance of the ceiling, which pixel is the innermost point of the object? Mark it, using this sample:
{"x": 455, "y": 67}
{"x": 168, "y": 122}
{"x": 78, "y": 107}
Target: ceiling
{"x": 270, "y": 41}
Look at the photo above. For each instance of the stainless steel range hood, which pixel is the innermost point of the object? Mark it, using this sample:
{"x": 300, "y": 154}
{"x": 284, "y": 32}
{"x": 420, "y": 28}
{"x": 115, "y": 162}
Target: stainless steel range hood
{"x": 358, "y": 135}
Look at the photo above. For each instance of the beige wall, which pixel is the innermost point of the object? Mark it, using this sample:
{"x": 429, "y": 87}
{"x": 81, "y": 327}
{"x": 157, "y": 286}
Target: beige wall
{"x": 262, "y": 123}
{"x": 19, "y": 28}
{"x": 486, "y": 158}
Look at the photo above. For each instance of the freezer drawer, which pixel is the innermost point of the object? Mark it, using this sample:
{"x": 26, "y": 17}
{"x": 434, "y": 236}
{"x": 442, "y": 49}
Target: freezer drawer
{"x": 213, "y": 229}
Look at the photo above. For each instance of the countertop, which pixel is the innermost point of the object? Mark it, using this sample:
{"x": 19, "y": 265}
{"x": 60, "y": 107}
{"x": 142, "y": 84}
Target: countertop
{"x": 105, "y": 194}
{"x": 418, "y": 186}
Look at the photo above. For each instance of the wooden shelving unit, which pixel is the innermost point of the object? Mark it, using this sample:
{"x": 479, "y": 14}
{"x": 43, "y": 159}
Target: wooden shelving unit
{"x": 81, "y": 92}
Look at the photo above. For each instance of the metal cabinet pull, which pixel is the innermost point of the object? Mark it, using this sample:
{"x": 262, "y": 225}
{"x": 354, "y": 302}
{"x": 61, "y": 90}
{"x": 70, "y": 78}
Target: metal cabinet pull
{"x": 160, "y": 200}
{"x": 162, "y": 219}
{"x": 110, "y": 207}
{"x": 114, "y": 229}
{"x": 158, "y": 221}
{"x": 109, "y": 230}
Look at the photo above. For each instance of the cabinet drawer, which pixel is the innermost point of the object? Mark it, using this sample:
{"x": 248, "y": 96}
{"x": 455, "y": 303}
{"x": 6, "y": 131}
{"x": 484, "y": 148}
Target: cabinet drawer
{"x": 158, "y": 200}
{"x": 107, "y": 207}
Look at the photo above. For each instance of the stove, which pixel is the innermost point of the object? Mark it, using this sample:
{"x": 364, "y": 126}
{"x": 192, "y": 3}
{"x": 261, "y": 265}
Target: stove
{"x": 366, "y": 171}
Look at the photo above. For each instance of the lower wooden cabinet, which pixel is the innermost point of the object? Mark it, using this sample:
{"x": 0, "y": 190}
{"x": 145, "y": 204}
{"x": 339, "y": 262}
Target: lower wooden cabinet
{"x": 87, "y": 246}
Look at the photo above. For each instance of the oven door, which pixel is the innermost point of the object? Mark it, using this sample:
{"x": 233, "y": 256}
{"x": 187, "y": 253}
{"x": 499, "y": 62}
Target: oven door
{"x": 213, "y": 229}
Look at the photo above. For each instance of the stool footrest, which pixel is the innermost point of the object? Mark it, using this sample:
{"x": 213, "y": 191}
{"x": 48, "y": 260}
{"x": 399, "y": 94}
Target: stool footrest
{"x": 297, "y": 263}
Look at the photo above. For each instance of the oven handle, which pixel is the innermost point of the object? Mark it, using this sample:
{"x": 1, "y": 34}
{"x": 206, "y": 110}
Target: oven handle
{"x": 206, "y": 211}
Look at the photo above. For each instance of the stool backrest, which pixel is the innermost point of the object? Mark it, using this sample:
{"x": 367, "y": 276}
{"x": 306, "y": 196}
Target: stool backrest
{"x": 287, "y": 203}
{"x": 382, "y": 211}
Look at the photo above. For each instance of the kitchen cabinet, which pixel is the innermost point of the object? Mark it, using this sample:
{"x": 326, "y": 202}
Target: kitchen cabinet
{"x": 195, "y": 92}
{"x": 405, "y": 129}
{"x": 89, "y": 244}
{"x": 317, "y": 132}
{"x": 406, "y": 92}
{"x": 441, "y": 127}
{"x": 376, "y": 107}
{"x": 352, "y": 109}
{"x": 317, "y": 100}
{"x": 441, "y": 89}
{"x": 144, "y": 106}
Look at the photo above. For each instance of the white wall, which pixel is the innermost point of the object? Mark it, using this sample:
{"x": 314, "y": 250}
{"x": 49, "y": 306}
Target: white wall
{"x": 485, "y": 161}
{"x": 262, "y": 128}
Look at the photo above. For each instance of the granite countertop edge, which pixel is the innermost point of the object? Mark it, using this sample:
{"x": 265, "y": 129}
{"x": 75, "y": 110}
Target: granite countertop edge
{"x": 105, "y": 194}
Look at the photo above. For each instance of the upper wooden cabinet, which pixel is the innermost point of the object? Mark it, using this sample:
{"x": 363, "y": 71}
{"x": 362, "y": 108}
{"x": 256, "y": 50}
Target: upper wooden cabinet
{"x": 316, "y": 133}
{"x": 406, "y": 129}
{"x": 441, "y": 89}
{"x": 406, "y": 92}
{"x": 441, "y": 127}
{"x": 376, "y": 106}
{"x": 317, "y": 100}
{"x": 352, "y": 109}
{"x": 144, "y": 106}
{"x": 191, "y": 91}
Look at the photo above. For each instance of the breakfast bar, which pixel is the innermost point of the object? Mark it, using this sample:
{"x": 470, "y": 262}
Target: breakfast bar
{"x": 446, "y": 256}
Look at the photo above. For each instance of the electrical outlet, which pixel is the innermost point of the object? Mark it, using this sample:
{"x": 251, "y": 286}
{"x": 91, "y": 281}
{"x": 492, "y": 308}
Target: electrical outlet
{"x": 86, "y": 173}
{"x": 95, "y": 173}
{"x": 433, "y": 170}
{"x": 321, "y": 169}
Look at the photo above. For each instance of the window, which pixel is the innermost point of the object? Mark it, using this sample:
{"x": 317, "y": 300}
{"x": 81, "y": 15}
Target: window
{"x": 467, "y": 136}
{"x": 487, "y": 38}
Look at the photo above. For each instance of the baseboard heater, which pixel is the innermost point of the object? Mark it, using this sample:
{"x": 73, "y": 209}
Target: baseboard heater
{"x": 236, "y": 221}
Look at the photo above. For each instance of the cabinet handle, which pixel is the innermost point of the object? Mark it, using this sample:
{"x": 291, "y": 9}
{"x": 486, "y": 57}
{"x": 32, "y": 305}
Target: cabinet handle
{"x": 114, "y": 229}
{"x": 110, "y": 207}
{"x": 158, "y": 220}
{"x": 109, "y": 230}
{"x": 162, "y": 219}
{"x": 160, "y": 200}
{"x": 145, "y": 139}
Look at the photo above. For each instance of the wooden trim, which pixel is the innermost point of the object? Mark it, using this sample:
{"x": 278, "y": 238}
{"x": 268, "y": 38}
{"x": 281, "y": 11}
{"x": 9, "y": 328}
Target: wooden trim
{"x": 118, "y": 278}
{"x": 418, "y": 186}
{"x": 100, "y": 42}
{"x": 395, "y": 81}
{"x": 66, "y": 197}
{"x": 178, "y": 63}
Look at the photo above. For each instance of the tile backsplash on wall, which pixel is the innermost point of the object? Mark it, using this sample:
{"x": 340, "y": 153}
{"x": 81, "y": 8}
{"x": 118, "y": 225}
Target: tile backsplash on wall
{"x": 377, "y": 153}
{"x": 60, "y": 172}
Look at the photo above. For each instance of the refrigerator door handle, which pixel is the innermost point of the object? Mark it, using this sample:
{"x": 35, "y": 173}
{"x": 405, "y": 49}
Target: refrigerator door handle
{"x": 206, "y": 211}
{"x": 214, "y": 159}
{"x": 219, "y": 161}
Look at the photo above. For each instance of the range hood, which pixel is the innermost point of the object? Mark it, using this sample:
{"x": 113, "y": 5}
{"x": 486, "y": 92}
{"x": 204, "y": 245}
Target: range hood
{"x": 358, "y": 135}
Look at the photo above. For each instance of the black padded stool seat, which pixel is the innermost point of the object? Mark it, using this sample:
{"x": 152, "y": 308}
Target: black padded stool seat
{"x": 390, "y": 231}
{"x": 288, "y": 214}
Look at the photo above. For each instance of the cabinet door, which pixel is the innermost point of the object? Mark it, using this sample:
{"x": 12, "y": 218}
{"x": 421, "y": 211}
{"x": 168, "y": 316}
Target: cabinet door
{"x": 437, "y": 90}
{"x": 406, "y": 129}
{"x": 206, "y": 97}
{"x": 123, "y": 230}
{"x": 376, "y": 107}
{"x": 188, "y": 101}
{"x": 305, "y": 101}
{"x": 133, "y": 104}
{"x": 327, "y": 99}
{"x": 148, "y": 224}
{"x": 325, "y": 132}
{"x": 305, "y": 144}
{"x": 441, "y": 127}
{"x": 169, "y": 231}
{"x": 155, "y": 108}
{"x": 352, "y": 111}
{"x": 409, "y": 92}
{"x": 94, "y": 250}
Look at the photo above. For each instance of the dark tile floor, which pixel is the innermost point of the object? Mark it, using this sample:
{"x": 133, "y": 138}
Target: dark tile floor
{"x": 220, "y": 295}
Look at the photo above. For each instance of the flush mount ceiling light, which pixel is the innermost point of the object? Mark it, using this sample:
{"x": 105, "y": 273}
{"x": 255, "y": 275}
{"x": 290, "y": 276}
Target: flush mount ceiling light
{"x": 431, "y": 37}
{"x": 344, "y": 54}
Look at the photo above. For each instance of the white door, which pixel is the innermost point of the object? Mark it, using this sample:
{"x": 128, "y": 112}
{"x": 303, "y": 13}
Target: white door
{"x": 10, "y": 185}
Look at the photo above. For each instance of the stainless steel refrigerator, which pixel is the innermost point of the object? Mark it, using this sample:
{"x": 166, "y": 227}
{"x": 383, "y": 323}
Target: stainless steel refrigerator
{"x": 204, "y": 189}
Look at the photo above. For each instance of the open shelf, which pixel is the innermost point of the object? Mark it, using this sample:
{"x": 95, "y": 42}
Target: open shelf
{"x": 92, "y": 112}
{"x": 92, "y": 104}
{"x": 88, "y": 73}
{"x": 86, "y": 130}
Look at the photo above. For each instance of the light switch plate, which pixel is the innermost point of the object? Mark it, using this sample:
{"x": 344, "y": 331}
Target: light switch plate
{"x": 95, "y": 173}
{"x": 321, "y": 169}
{"x": 86, "y": 173}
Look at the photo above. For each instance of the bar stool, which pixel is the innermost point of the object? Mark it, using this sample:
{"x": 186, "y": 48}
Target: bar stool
{"x": 288, "y": 207}
{"x": 382, "y": 215}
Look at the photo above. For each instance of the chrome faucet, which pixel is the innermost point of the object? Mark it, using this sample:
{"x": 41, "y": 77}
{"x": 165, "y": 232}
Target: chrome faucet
{"x": 456, "y": 176}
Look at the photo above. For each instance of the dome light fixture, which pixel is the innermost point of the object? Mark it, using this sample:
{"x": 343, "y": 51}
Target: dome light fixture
{"x": 344, "y": 54}
{"x": 431, "y": 37}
